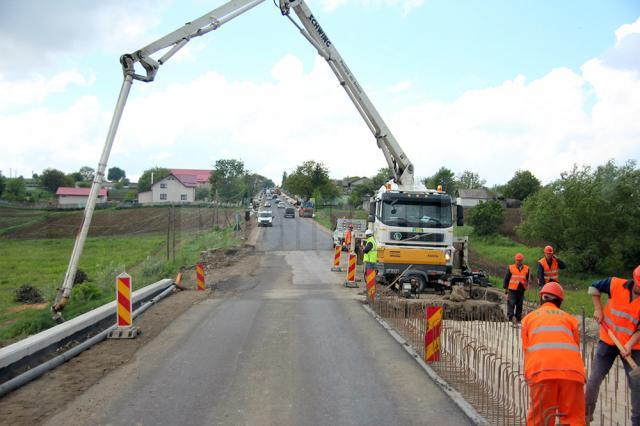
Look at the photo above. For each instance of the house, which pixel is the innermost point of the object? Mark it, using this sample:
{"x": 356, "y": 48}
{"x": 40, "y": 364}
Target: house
{"x": 77, "y": 197}
{"x": 472, "y": 197}
{"x": 175, "y": 188}
{"x": 201, "y": 176}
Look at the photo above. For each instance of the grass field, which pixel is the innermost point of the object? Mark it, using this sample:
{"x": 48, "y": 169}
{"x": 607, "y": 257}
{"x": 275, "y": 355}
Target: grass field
{"x": 43, "y": 262}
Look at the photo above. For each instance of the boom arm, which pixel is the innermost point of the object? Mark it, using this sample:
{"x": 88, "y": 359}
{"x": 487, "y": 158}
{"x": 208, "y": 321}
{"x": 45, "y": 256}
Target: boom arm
{"x": 313, "y": 32}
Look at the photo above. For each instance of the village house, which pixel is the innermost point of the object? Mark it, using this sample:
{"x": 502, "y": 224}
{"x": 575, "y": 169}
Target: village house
{"x": 77, "y": 197}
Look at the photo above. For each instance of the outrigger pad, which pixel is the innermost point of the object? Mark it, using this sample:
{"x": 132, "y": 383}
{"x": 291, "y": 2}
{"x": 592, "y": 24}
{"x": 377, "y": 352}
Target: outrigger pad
{"x": 124, "y": 333}
{"x": 350, "y": 284}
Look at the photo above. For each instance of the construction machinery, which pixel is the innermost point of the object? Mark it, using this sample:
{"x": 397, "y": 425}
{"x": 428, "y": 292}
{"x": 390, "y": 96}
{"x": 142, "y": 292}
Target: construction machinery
{"x": 424, "y": 241}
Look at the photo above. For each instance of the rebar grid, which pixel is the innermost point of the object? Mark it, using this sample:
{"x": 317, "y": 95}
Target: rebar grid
{"x": 482, "y": 357}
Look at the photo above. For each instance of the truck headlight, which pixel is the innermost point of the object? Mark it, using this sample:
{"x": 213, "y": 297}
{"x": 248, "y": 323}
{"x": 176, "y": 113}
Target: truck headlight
{"x": 447, "y": 255}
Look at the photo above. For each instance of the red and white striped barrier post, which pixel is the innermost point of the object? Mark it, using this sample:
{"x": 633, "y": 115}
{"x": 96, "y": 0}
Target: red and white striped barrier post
{"x": 351, "y": 271}
{"x": 336, "y": 259}
{"x": 200, "y": 276}
{"x": 124, "y": 309}
{"x": 433, "y": 315}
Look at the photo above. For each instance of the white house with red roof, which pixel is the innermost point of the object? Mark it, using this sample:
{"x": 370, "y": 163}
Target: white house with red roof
{"x": 77, "y": 197}
{"x": 175, "y": 188}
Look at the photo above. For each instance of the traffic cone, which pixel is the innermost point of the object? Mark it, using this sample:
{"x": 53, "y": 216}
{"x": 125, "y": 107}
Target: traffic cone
{"x": 336, "y": 259}
{"x": 370, "y": 275}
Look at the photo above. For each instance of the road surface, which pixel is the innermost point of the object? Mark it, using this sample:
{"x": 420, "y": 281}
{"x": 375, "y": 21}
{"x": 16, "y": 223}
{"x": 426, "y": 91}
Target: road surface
{"x": 287, "y": 344}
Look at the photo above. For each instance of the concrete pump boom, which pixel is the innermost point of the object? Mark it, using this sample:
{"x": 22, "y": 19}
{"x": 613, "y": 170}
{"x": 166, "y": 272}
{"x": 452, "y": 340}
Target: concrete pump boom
{"x": 174, "y": 41}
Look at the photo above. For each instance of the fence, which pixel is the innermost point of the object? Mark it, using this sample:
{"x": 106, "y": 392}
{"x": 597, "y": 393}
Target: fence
{"x": 482, "y": 357}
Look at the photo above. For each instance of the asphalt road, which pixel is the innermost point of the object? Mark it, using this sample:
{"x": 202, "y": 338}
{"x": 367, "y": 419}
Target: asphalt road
{"x": 287, "y": 345}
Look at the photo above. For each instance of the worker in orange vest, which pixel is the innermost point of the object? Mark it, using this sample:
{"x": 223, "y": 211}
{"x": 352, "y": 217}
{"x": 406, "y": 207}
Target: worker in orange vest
{"x": 622, "y": 316}
{"x": 347, "y": 238}
{"x": 515, "y": 283}
{"x": 548, "y": 267}
{"x": 553, "y": 366}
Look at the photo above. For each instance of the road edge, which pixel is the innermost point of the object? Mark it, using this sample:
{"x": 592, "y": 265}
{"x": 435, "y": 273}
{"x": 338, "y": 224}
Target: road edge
{"x": 453, "y": 394}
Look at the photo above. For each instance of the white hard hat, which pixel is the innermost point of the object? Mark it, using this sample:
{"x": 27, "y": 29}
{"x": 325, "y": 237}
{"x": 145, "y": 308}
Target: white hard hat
{"x": 368, "y": 232}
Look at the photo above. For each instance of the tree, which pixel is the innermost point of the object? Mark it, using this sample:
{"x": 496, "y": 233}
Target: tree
{"x": 470, "y": 180}
{"x": 284, "y": 178}
{"x": 157, "y": 173}
{"x": 116, "y": 174}
{"x": 444, "y": 177}
{"x": 228, "y": 181}
{"x": 486, "y": 217}
{"x": 311, "y": 179}
{"x": 87, "y": 173}
{"x": 383, "y": 176}
{"x": 16, "y": 189}
{"x": 591, "y": 215}
{"x": 521, "y": 185}
{"x": 75, "y": 177}
{"x": 3, "y": 184}
{"x": 52, "y": 179}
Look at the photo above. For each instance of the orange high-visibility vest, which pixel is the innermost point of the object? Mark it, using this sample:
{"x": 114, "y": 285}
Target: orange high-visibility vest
{"x": 518, "y": 276}
{"x": 550, "y": 273}
{"x": 621, "y": 316}
{"x": 551, "y": 344}
{"x": 347, "y": 237}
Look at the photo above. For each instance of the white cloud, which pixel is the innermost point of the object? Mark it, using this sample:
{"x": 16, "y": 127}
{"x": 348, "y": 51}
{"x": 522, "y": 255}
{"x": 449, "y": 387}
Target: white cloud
{"x": 403, "y": 86}
{"x": 627, "y": 29}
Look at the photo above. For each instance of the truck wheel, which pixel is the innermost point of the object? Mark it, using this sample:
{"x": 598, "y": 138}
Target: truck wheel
{"x": 421, "y": 284}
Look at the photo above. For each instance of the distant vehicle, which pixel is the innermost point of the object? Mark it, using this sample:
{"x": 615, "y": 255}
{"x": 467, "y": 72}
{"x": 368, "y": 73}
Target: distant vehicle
{"x": 306, "y": 210}
{"x": 265, "y": 218}
{"x": 274, "y": 197}
{"x": 290, "y": 212}
{"x": 267, "y": 204}
{"x": 281, "y": 205}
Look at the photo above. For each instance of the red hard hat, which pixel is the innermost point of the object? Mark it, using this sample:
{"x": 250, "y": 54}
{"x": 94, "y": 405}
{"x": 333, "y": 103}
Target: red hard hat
{"x": 554, "y": 289}
{"x": 519, "y": 256}
{"x": 351, "y": 225}
{"x": 548, "y": 249}
{"x": 636, "y": 275}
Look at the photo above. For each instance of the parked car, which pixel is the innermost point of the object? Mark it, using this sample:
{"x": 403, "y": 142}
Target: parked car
{"x": 290, "y": 212}
{"x": 265, "y": 218}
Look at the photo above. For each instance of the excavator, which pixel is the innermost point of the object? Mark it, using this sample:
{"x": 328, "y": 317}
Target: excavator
{"x": 413, "y": 225}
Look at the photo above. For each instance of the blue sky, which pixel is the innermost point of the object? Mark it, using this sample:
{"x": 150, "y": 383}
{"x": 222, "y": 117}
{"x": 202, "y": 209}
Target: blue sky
{"x": 485, "y": 86}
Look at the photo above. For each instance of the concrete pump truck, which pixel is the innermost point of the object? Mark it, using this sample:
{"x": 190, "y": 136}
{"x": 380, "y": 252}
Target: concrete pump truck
{"x": 413, "y": 225}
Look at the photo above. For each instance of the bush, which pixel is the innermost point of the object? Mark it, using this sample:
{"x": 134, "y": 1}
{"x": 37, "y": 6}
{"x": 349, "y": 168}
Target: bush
{"x": 486, "y": 217}
{"x": 28, "y": 294}
{"x": 81, "y": 276}
{"x": 85, "y": 293}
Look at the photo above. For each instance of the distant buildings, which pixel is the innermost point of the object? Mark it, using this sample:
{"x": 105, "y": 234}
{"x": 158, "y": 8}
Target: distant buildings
{"x": 77, "y": 197}
{"x": 174, "y": 188}
{"x": 472, "y": 197}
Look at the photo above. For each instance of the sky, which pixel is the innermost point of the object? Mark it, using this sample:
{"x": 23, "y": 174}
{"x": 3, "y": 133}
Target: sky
{"x": 487, "y": 86}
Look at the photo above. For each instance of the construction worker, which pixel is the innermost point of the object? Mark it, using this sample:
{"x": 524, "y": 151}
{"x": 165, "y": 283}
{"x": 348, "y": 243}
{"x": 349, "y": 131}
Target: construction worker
{"x": 515, "y": 283}
{"x": 553, "y": 366}
{"x": 347, "y": 238}
{"x": 548, "y": 267}
{"x": 370, "y": 251}
{"x": 622, "y": 316}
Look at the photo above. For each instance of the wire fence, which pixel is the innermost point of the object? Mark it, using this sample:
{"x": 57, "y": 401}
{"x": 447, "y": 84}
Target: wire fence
{"x": 482, "y": 357}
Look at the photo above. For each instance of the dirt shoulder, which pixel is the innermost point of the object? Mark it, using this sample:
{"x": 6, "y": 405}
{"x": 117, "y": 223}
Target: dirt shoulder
{"x": 37, "y": 401}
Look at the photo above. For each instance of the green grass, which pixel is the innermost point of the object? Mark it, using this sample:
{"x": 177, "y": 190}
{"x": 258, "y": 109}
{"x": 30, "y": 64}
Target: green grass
{"x": 42, "y": 263}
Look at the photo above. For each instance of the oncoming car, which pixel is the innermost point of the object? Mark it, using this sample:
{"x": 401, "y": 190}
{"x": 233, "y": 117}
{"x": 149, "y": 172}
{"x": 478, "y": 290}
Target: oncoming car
{"x": 265, "y": 218}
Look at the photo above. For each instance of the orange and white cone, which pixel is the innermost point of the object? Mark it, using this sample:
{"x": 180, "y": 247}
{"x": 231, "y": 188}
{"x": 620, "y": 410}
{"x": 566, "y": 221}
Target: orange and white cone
{"x": 336, "y": 259}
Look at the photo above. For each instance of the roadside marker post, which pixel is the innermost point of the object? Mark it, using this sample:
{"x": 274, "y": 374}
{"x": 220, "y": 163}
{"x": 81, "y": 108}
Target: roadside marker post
{"x": 124, "y": 309}
{"x": 432, "y": 346}
{"x": 370, "y": 274}
{"x": 336, "y": 259}
{"x": 351, "y": 271}
{"x": 200, "y": 276}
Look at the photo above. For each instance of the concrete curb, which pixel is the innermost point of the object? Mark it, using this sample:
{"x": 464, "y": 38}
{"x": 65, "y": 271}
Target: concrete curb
{"x": 32, "y": 345}
{"x": 455, "y": 396}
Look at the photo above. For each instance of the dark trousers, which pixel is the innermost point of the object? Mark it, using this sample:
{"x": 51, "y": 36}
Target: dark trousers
{"x": 514, "y": 302}
{"x": 602, "y": 361}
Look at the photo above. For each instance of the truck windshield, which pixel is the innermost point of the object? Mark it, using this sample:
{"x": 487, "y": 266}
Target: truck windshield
{"x": 419, "y": 214}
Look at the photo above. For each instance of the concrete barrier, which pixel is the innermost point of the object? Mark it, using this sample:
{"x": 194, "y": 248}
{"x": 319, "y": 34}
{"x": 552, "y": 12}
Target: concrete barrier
{"x": 41, "y": 342}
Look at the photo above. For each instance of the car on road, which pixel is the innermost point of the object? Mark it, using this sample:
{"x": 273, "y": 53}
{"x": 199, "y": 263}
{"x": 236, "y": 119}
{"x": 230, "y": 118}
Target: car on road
{"x": 267, "y": 204}
{"x": 265, "y": 218}
{"x": 290, "y": 212}
{"x": 281, "y": 205}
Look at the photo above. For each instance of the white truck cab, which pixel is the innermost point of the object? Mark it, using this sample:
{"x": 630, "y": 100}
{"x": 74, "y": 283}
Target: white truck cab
{"x": 265, "y": 218}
